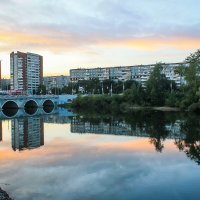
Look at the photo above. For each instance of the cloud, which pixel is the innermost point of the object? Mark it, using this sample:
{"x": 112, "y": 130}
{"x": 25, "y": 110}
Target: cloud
{"x": 69, "y": 25}
{"x": 86, "y": 33}
{"x": 88, "y": 167}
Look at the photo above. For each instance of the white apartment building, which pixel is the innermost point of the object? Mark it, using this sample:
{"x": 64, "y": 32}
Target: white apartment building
{"x": 139, "y": 73}
{"x": 56, "y": 81}
{"x": 120, "y": 73}
{"x": 88, "y": 74}
{"x": 26, "y": 71}
{"x": 33, "y": 71}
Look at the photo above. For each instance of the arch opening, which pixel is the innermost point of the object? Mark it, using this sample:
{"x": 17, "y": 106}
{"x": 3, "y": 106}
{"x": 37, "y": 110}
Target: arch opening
{"x": 10, "y": 105}
{"x": 48, "y": 109}
{"x": 10, "y": 112}
{"x": 10, "y": 109}
{"x": 48, "y": 103}
{"x": 30, "y": 110}
{"x": 30, "y": 104}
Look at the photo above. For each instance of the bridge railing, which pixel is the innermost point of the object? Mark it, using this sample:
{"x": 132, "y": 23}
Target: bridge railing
{"x": 10, "y": 97}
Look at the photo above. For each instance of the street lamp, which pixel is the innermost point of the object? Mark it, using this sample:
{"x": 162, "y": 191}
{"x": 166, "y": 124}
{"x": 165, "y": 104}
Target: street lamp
{"x": 111, "y": 89}
{"x": 102, "y": 88}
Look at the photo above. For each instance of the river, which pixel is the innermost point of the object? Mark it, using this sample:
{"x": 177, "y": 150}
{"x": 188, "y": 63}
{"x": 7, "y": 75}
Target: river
{"x": 144, "y": 155}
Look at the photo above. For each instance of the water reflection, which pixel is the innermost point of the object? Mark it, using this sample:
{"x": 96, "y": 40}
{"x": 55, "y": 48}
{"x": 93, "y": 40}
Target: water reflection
{"x": 30, "y": 110}
{"x": 114, "y": 154}
{"x": 27, "y": 111}
{"x": 1, "y": 132}
{"x": 48, "y": 109}
{"x": 10, "y": 112}
{"x": 27, "y": 133}
{"x": 191, "y": 144}
{"x": 184, "y": 129}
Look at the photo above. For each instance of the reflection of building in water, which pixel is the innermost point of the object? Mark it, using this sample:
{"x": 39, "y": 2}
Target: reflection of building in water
{"x": 116, "y": 127}
{"x": 57, "y": 119}
{"x": 27, "y": 133}
{"x": 63, "y": 117}
{"x": 1, "y": 134}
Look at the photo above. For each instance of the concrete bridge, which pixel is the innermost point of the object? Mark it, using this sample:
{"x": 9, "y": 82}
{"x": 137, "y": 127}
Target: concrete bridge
{"x": 31, "y": 101}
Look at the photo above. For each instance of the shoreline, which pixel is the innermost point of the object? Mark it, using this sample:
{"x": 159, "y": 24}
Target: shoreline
{"x": 158, "y": 108}
{"x": 4, "y": 195}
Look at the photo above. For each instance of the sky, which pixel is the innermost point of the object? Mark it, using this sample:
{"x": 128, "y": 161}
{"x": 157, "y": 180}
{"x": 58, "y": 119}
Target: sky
{"x": 101, "y": 33}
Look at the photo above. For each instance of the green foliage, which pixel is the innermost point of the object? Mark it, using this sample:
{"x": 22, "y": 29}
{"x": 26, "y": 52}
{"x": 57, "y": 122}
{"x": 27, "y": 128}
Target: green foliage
{"x": 195, "y": 107}
{"x": 56, "y": 91}
{"x": 159, "y": 91}
{"x": 41, "y": 90}
{"x": 192, "y": 77}
{"x": 134, "y": 95}
{"x": 157, "y": 86}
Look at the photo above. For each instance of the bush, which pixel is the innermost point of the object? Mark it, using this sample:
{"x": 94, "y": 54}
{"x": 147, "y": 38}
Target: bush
{"x": 195, "y": 107}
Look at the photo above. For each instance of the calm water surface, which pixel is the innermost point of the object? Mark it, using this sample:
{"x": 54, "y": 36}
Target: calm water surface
{"x": 150, "y": 155}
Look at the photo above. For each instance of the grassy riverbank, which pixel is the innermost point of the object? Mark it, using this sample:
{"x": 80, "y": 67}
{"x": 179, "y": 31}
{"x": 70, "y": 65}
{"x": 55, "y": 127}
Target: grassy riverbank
{"x": 119, "y": 104}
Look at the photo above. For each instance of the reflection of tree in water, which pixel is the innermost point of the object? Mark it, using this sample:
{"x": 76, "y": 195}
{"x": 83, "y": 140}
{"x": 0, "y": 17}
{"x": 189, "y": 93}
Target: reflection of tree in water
{"x": 156, "y": 128}
{"x": 191, "y": 143}
{"x": 148, "y": 122}
{"x": 156, "y": 125}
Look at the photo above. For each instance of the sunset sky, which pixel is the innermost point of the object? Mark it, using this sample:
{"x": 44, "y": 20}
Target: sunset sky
{"x": 84, "y": 33}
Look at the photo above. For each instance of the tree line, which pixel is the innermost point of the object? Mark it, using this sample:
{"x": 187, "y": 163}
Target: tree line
{"x": 154, "y": 124}
{"x": 158, "y": 90}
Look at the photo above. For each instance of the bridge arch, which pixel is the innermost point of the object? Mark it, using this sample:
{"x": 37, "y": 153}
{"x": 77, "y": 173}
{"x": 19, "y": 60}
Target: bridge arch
{"x": 10, "y": 112}
{"x": 10, "y": 104}
{"x": 30, "y": 104}
{"x": 10, "y": 108}
{"x": 48, "y": 103}
{"x": 30, "y": 110}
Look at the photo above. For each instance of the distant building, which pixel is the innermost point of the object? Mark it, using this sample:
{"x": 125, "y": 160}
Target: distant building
{"x": 139, "y": 73}
{"x": 26, "y": 71}
{"x": 5, "y": 84}
{"x": 88, "y": 74}
{"x": 56, "y": 81}
{"x": 119, "y": 73}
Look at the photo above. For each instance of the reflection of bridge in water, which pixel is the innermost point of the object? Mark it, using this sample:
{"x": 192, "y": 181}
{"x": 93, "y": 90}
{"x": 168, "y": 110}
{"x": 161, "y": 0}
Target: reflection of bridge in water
{"x": 15, "y": 113}
{"x": 24, "y": 101}
{"x": 28, "y": 131}
{"x": 120, "y": 128}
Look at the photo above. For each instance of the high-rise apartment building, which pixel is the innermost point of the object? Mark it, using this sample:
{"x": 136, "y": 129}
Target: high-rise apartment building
{"x": 0, "y": 76}
{"x": 26, "y": 71}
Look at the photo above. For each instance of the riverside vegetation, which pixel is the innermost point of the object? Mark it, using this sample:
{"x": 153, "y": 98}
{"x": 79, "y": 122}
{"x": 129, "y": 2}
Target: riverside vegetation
{"x": 158, "y": 91}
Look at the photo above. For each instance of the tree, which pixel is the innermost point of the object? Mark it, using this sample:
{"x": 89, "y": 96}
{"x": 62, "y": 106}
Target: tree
{"x": 41, "y": 90}
{"x": 157, "y": 86}
{"x": 56, "y": 91}
{"x": 134, "y": 95}
{"x": 192, "y": 77}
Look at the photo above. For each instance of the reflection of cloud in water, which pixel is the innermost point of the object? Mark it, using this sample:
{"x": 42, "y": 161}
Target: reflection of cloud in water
{"x": 74, "y": 170}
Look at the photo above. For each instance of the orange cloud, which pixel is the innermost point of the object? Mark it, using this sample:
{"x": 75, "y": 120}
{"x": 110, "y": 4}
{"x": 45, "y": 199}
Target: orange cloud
{"x": 57, "y": 41}
{"x": 130, "y": 145}
{"x": 153, "y": 43}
